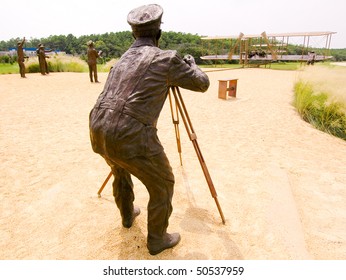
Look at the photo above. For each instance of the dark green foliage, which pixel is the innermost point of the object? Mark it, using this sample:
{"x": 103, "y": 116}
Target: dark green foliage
{"x": 114, "y": 44}
{"x": 338, "y": 54}
{"x": 5, "y": 59}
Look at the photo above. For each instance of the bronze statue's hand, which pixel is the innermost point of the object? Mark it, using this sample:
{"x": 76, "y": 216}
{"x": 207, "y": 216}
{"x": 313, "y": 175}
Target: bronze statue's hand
{"x": 189, "y": 59}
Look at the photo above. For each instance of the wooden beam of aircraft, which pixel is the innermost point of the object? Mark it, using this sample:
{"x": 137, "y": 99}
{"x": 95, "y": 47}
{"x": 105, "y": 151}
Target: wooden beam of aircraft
{"x": 291, "y": 34}
{"x": 244, "y": 40}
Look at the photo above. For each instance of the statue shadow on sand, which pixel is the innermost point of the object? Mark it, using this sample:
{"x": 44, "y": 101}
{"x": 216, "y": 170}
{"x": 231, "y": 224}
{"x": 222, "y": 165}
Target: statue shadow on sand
{"x": 200, "y": 222}
{"x": 130, "y": 244}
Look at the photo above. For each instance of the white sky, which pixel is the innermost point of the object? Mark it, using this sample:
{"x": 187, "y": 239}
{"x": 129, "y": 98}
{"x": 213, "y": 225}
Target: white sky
{"x": 39, "y": 19}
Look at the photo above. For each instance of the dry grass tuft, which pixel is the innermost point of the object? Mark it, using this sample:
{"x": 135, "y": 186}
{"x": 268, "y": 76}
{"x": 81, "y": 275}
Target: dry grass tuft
{"x": 320, "y": 98}
{"x": 59, "y": 63}
{"x": 329, "y": 80}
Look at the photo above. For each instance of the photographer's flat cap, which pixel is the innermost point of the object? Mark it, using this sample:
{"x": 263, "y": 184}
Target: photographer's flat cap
{"x": 145, "y": 17}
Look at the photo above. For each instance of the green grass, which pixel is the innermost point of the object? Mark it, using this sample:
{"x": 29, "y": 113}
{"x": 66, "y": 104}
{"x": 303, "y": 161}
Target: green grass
{"x": 6, "y": 68}
{"x": 320, "y": 110}
{"x": 274, "y": 66}
{"x": 63, "y": 64}
{"x": 221, "y": 65}
{"x": 286, "y": 66}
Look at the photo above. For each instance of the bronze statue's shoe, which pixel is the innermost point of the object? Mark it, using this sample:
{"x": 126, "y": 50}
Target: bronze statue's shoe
{"x": 169, "y": 241}
{"x": 127, "y": 223}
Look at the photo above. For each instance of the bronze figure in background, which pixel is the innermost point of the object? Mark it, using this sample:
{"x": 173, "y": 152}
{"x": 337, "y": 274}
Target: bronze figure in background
{"x": 41, "y": 53}
{"x": 92, "y": 61}
{"x": 20, "y": 57}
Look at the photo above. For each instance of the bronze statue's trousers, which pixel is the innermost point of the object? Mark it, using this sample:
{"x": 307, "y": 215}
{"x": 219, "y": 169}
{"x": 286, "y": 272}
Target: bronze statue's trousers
{"x": 43, "y": 66}
{"x": 21, "y": 68}
{"x": 93, "y": 72}
{"x": 156, "y": 174}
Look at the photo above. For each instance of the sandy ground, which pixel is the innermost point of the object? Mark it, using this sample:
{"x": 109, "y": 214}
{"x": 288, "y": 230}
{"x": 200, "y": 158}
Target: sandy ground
{"x": 280, "y": 182}
{"x": 343, "y": 63}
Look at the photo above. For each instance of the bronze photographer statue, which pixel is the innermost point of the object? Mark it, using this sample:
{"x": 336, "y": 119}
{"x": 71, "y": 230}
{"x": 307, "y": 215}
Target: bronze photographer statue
{"x": 123, "y": 123}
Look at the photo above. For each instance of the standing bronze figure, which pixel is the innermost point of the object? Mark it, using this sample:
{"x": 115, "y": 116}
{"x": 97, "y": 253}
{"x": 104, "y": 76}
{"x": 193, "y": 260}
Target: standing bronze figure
{"x": 20, "y": 58}
{"x": 123, "y": 122}
{"x": 41, "y": 53}
{"x": 92, "y": 61}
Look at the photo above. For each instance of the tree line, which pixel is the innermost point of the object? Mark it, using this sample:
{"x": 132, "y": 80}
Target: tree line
{"x": 114, "y": 44}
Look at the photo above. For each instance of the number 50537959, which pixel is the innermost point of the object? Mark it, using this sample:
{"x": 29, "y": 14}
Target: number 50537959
{"x": 220, "y": 270}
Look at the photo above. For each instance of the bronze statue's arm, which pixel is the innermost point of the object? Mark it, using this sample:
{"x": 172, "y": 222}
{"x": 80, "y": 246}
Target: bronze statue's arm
{"x": 22, "y": 43}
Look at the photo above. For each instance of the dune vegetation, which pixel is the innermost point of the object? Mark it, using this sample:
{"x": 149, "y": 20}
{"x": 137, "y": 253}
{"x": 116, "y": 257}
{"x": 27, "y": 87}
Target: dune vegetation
{"x": 320, "y": 98}
{"x": 56, "y": 63}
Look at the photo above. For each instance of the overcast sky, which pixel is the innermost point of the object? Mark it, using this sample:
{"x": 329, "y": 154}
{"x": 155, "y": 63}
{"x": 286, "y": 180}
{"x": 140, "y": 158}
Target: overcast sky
{"x": 39, "y": 19}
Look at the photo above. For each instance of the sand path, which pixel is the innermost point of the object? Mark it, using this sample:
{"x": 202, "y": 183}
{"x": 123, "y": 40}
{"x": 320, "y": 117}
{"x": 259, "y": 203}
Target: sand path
{"x": 280, "y": 182}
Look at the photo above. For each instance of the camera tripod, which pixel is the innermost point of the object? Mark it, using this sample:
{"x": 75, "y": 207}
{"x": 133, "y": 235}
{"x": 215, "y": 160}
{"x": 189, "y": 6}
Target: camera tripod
{"x": 177, "y": 107}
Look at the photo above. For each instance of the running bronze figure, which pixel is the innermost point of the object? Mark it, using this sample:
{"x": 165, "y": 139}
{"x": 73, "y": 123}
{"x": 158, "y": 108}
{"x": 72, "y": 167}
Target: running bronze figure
{"x": 123, "y": 122}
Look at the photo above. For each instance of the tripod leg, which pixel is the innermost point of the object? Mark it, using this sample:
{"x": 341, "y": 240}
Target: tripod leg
{"x": 193, "y": 137}
{"x": 176, "y": 127}
{"x": 175, "y": 120}
{"x": 104, "y": 184}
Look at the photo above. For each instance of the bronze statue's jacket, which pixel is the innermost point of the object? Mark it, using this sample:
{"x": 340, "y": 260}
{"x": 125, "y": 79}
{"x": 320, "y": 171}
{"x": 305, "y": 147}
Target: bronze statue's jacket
{"x": 123, "y": 120}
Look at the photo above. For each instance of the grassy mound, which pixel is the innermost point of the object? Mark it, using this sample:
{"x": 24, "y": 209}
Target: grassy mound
{"x": 320, "y": 99}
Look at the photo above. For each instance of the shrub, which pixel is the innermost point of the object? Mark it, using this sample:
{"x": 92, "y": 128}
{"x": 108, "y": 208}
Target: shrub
{"x": 33, "y": 68}
{"x": 58, "y": 63}
{"x": 107, "y": 66}
{"x": 5, "y": 59}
